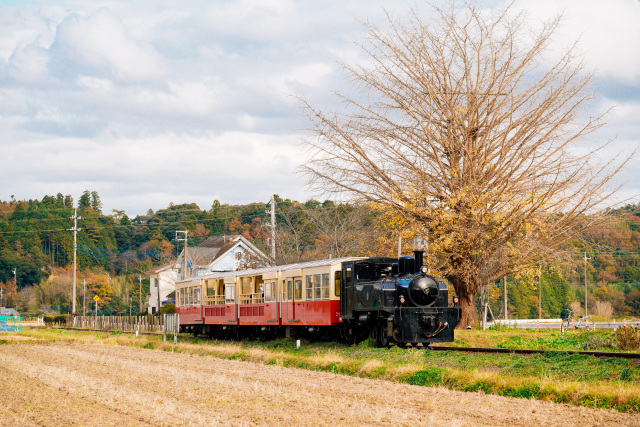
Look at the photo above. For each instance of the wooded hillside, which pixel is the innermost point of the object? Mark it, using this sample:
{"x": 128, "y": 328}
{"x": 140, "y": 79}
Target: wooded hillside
{"x": 115, "y": 251}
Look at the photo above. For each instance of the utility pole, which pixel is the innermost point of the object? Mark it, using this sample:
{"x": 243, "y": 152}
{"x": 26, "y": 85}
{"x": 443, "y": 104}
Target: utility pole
{"x": 272, "y": 211}
{"x": 158, "y": 289}
{"x": 84, "y": 299}
{"x": 184, "y": 258}
{"x": 539, "y": 293}
{"x": 504, "y": 281}
{"x": 140, "y": 292}
{"x": 15, "y": 282}
{"x": 75, "y": 230}
{"x": 585, "y": 284}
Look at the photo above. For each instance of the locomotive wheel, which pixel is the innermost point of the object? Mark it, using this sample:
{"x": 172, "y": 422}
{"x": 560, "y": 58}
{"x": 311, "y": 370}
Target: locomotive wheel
{"x": 383, "y": 339}
{"x": 375, "y": 334}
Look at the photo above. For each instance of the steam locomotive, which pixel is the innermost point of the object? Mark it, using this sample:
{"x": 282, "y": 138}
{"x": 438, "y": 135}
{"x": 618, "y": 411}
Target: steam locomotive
{"x": 392, "y": 300}
{"x": 396, "y": 301}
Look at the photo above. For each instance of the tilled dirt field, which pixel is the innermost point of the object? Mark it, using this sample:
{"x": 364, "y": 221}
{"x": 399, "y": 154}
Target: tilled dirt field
{"x": 60, "y": 384}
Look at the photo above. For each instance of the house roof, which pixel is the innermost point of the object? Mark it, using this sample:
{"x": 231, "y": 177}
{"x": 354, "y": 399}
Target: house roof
{"x": 200, "y": 257}
{"x": 203, "y": 255}
{"x": 160, "y": 268}
{"x": 218, "y": 241}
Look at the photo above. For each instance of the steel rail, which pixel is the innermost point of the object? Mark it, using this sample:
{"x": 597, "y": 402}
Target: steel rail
{"x": 617, "y": 355}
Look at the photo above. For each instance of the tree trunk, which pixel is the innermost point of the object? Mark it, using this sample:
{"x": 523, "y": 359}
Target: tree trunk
{"x": 466, "y": 293}
{"x": 468, "y": 307}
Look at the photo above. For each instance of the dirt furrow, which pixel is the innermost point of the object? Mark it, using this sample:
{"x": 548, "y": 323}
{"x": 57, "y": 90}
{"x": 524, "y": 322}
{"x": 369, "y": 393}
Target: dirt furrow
{"x": 81, "y": 384}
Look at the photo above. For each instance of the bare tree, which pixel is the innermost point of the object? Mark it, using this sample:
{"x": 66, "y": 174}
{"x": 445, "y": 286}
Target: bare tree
{"x": 470, "y": 131}
{"x": 342, "y": 229}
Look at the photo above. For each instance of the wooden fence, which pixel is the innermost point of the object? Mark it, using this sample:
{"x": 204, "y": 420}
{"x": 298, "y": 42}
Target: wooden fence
{"x": 158, "y": 324}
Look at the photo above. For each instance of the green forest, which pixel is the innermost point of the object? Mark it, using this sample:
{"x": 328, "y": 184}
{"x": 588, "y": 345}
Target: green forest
{"x": 114, "y": 252}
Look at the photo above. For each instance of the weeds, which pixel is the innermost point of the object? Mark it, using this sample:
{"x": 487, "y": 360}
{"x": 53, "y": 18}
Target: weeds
{"x": 628, "y": 338}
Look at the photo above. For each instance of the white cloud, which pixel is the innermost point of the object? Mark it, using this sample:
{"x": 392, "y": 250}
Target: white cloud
{"x": 152, "y": 102}
{"x": 608, "y": 31}
{"x": 102, "y": 44}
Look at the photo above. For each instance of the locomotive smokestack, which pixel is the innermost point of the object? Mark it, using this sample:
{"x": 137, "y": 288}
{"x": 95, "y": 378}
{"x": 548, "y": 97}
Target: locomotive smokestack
{"x": 418, "y": 256}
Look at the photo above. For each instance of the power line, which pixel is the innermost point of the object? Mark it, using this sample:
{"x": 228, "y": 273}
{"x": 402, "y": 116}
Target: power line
{"x": 134, "y": 225}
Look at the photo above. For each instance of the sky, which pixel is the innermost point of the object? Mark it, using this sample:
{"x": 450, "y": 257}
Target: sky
{"x": 157, "y": 102}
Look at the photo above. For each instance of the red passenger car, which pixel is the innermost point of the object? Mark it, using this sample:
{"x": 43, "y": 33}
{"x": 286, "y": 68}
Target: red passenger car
{"x": 289, "y": 300}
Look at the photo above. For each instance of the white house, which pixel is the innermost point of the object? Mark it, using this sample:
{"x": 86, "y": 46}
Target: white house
{"x": 163, "y": 278}
{"x": 219, "y": 253}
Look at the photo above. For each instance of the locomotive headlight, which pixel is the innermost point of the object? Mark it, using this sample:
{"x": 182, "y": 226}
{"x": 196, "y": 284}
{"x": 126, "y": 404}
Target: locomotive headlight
{"x": 424, "y": 269}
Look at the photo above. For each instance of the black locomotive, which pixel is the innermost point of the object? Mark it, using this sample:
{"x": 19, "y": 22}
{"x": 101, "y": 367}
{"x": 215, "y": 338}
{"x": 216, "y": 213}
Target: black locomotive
{"x": 394, "y": 300}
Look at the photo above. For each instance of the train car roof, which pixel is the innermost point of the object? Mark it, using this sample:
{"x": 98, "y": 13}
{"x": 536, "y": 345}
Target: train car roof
{"x": 258, "y": 271}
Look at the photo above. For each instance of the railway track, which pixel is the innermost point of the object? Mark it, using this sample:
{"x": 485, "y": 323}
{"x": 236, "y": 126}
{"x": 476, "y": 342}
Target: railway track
{"x": 526, "y": 351}
{"x": 616, "y": 355}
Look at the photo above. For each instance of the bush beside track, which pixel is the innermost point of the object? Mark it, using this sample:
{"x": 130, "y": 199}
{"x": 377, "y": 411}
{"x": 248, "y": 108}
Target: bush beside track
{"x": 559, "y": 377}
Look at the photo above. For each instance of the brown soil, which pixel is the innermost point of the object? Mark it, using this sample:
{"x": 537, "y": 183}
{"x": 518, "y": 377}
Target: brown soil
{"x": 78, "y": 384}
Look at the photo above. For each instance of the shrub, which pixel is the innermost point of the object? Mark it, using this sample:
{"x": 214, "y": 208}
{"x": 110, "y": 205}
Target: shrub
{"x": 54, "y": 320}
{"x": 628, "y": 338}
{"x": 427, "y": 377}
{"x": 168, "y": 309}
{"x": 595, "y": 342}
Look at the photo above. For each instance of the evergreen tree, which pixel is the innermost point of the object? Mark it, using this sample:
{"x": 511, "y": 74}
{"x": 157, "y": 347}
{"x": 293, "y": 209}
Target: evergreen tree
{"x": 96, "y": 204}
{"x": 84, "y": 202}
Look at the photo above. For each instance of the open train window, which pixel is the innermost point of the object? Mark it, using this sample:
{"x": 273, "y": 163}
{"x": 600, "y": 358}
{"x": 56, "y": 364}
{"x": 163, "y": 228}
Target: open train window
{"x": 211, "y": 288}
{"x": 382, "y": 270}
{"x": 364, "y": 271}
{"x": 246, "y": 287}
